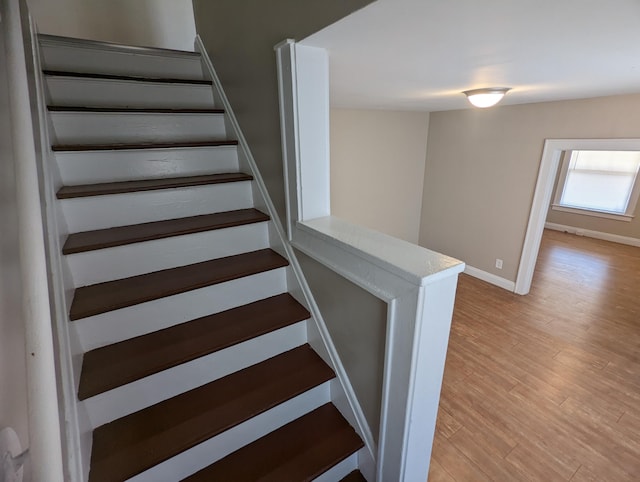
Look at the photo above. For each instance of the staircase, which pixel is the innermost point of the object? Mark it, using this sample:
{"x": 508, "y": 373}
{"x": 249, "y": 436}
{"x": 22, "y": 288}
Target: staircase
{"x": 191, "y": 354}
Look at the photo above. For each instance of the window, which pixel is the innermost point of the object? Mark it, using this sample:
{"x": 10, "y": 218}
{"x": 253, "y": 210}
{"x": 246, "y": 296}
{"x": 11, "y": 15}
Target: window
{"x": 599, "y": 183}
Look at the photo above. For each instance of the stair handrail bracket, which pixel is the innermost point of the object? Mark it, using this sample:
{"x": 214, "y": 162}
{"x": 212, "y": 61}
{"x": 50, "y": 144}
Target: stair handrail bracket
{"x": 417, "y": 284}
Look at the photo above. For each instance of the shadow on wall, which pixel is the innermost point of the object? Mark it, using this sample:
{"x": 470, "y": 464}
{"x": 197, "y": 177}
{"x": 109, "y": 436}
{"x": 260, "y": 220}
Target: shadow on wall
{"x": 154, "y": 23}
{"x": 13, "y": 389}
{"x": 239, "y": 37}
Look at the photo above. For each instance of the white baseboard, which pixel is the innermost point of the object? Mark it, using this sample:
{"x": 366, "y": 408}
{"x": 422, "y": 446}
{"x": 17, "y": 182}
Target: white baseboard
{"x": 594, "y": 234}
{"x": 490, "y": 278}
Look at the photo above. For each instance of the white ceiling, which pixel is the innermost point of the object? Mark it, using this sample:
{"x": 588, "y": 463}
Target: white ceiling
{"x": 420, "y": 54}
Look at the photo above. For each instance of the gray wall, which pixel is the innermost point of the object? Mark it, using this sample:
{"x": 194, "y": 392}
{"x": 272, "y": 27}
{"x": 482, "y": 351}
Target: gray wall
{"x": 357, "y": 322}
{"x": 482, "y": 167}
{"x": 154, "y": 23}
{"x": 239, "y": 36}
{"x": 13, "y": 391}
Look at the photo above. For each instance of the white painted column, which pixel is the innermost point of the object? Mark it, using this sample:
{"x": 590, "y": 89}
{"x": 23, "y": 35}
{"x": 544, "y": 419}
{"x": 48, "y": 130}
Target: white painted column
{"x": 305, "y": 71}
{"x": 45, "y": 450}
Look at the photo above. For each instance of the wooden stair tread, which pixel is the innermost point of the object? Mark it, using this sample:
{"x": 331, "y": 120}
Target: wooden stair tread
{"x": 85, "y": 190}
{"x": 84, "y": 75}
{"x": 141, "y": 145}
{"x": 115, "y": 365}
{"x": 354, "y": 476}
{"x": 112, "y": 295}
{"x": 132, "y": 444}
{"x": 132, "y": 110}
{"x": 119, "y": 236}
{"x": 300, "y": 451}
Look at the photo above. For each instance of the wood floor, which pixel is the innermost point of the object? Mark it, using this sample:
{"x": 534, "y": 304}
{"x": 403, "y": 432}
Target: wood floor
{"x": 546, "y": 386}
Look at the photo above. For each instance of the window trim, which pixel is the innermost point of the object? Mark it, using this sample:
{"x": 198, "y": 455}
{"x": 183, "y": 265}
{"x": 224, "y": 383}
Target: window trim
{"x": 627, "y": 216}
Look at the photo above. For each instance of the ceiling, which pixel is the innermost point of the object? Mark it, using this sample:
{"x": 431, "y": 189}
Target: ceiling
{"x": 420, "y": 54}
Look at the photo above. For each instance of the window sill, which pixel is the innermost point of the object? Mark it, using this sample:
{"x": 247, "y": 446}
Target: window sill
{"x": 587, "y": 212}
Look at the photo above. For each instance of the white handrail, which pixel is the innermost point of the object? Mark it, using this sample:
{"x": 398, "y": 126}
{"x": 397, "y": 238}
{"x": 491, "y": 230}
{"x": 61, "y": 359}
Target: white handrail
{"x": 43, "y": 416}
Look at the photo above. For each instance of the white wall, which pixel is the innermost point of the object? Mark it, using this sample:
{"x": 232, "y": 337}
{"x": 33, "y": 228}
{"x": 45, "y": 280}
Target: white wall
{"x": 154, "y": 23}
{"x": 377, "y": 169}
{"x": 13, "y": 388}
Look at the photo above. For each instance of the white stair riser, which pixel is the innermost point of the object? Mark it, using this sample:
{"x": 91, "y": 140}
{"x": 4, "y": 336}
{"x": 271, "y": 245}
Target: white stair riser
{"x": 203, "y": 455}
{"x": 340, "y": 470}
{"x": 65, "y": 57}
{"x": 89, "y": 167}
{"x": 113, "y": 128}
{"x": 74, "y": 91}
{"x": 97, "y": 212}
{"x": 118, "y": 325}
{"x": 147, "y": 391}
{"x": 108, "y": 264}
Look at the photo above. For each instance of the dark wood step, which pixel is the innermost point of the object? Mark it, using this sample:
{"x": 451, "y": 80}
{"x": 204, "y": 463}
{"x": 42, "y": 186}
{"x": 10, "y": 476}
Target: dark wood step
{"x": 115, "y": 365}
{"x": 85, "y": 190}
{"x": 131, "y": 110}
{"x": 142, "y": 145}
{"x": 83, "y": 75}
{"x": 108, "y": 238}
{"x": 300, "y": 451}
{"x": 112, "y": 295}
{"x": 354, "y": 476}
{"x": 137, "y": 442}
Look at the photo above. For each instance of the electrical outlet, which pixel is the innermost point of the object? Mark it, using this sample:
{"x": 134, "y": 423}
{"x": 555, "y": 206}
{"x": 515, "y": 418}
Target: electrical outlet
{"x": 498, "y": 263}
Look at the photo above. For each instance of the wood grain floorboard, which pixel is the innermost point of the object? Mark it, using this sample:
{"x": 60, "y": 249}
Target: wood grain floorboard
{"x": 546, "y": 387}
{"x": 114, "y": 365}
{"x": 127, "y": 446}
{"x": 83, "y": 75}
{"x": 123, "y": 235}
{"x": 143, "y": 145}
{"x": 102, "y": 189}
{"x": 354, "y": 476}
{"x": 299, "y": 451}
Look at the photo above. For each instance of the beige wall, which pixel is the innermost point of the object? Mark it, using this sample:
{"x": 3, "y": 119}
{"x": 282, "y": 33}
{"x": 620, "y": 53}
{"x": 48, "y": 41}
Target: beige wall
{"x": 377, "y": 169}
{"x": 240, "y": 37}
{"x": 357, "y": 322}
{"x": 13, "y": 390}
{"x": 154, "y": 23}
{"x": 482, "y": 166}
{"x": 630, "y": 229}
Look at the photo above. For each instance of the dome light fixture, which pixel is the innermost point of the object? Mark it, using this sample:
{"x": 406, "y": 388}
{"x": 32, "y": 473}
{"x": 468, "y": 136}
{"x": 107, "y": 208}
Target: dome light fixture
{"x": 487, "y": 97}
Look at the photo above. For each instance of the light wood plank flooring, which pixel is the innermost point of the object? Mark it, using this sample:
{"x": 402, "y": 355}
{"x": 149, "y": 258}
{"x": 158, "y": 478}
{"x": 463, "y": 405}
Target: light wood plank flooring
{"x": 546, "y": 387}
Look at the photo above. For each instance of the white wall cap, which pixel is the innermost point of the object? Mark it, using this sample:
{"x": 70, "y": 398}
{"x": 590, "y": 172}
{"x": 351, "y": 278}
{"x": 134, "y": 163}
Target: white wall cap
{"x": 414, "y": 263}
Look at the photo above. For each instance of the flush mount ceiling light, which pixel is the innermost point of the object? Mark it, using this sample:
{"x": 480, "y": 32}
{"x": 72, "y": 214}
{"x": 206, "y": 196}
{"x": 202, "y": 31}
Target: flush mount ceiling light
{"x": 486, "y": 97}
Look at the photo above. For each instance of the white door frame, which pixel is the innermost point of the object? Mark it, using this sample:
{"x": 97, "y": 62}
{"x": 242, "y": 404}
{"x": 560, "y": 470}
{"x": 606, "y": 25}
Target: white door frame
{"x": 547, "y": 173}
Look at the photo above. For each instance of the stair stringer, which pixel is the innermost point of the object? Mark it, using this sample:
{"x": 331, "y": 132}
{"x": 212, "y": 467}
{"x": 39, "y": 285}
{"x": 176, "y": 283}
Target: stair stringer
{"x": 342, "y": 393}
{"x": 76, "y": 439}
